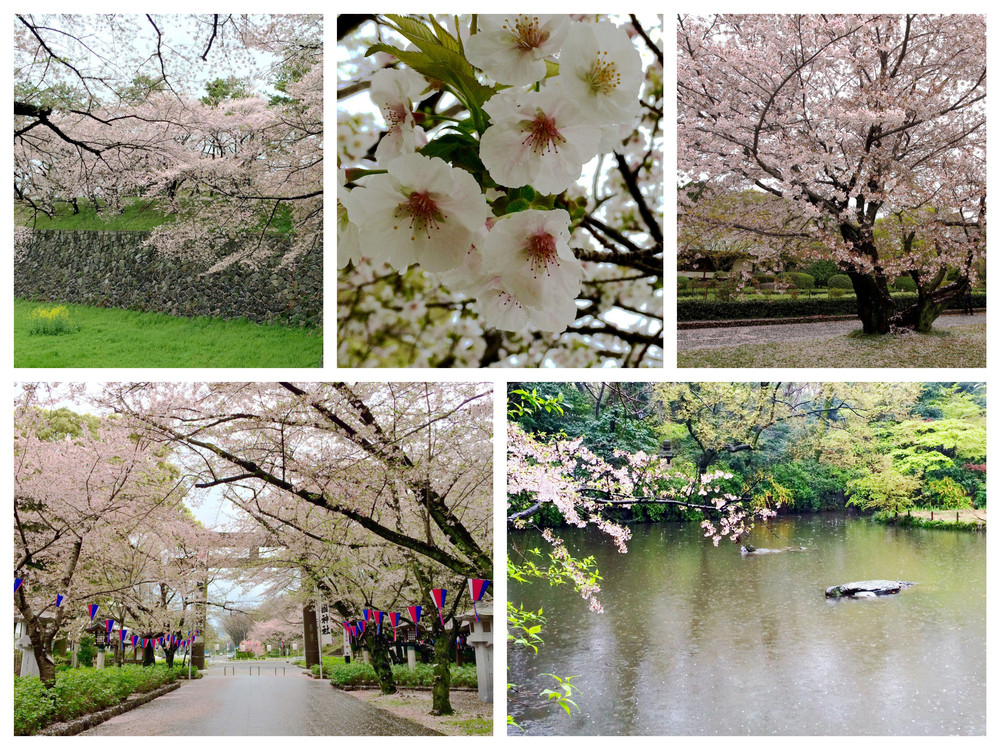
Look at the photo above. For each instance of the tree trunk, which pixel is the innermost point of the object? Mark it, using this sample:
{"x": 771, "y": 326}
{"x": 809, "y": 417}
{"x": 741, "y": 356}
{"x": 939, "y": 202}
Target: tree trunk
{"x": 920, "y": 316}
{"x": 149, "y": 655}
{"x": 444, "y": 646}
{"x": 169, "y": 656}
{"x": 875, "y": 305}
{"x": 381, "y": 661}
{"x": 43, "y": 655}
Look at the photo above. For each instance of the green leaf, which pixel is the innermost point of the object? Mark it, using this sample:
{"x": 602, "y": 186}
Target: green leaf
{"x": 446, "y": 39}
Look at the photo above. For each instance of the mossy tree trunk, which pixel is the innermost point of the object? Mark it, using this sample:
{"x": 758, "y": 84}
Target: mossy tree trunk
{"x": 444, "y": 651}
{"x": 380, "y": 660}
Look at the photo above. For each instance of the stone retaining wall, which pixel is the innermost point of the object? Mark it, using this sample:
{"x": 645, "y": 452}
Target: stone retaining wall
{"x": 118, "y": 269}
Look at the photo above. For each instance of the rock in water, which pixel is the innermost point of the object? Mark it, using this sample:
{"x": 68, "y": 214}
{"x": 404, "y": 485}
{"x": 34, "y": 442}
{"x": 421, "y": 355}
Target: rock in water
{"x": 867, "y": 589}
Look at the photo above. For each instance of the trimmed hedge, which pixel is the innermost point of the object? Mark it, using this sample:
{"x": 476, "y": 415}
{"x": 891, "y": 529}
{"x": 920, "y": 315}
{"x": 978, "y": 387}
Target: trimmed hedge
{"x": 81, "y": 691}
{"x": 710, "y": 309}
{"x": 905, "y": 284}
{"x": 359, "y": 674}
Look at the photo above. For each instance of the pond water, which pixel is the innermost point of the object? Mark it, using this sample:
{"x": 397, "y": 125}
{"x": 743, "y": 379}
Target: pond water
{"x": 700, "y": 640}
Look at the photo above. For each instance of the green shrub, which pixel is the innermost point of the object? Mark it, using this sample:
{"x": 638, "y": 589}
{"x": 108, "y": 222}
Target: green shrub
{"x": 905, "y": 284}
{"x": 801, "y": 280}
{"x": 946, "y": 493}
{"x": 359, "y": 673}
{"x": 34, "y": 706}
{"x": 840, "y": 281}
{"x": 81, "y": 691}
{"x": 821, "y": 271}
{"x": 834, "y": 293}
{"x": 683, "y": 282}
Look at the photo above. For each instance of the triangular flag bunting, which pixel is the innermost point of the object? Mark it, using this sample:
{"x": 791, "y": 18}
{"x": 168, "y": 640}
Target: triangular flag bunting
{"x": 394, "y": 619}
{"x": 92, "y": 610}
{"x": 415, "y": 617}
{"x": 477, "y": 587}
{"x": 17, "y": 583}
{"x": 59, "y": 598}
{"x": 439, "y": 596}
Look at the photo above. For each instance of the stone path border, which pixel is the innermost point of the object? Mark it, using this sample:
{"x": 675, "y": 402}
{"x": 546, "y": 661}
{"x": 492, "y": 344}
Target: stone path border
{"x": 83, "y": 723}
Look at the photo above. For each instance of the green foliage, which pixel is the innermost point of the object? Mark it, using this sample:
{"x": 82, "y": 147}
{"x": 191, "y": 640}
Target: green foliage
{"x": 882, "y": 490}
{"x": 81, "y": 691}
{"x": 840, "y": 281}
{"x": 683, "y": 282}
{"x": 87, "y": 651}
{"x": 359, "y": 673}
{"x": 821, "y": 271}
{"x": 438, "y": 56}
{"x": 221, "y": 89}
{"x": 945, "y": 493}
{"x": 125, "y": 338}
{"x": 801, "y": 280}
{"x": 562, "y": 694}
{"x": 34, "y": 706}
{"x": 904, "y": 284}
{"x": 833, "y": 293}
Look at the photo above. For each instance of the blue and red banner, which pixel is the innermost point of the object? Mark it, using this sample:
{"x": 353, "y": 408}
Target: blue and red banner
{"x": 109, "y": 625}
{"x": 59, "y": 598}
{"x": 17, "y": 583}
{"x": 415, "y": 617}
{"x": 439, "y": 595}
{"x": 477, "y": 587}
{"x": 394, "y": 619}
{"x": 124, "y": 630}
{"x": 92, "y": 610}
{"x": 377, "y": 616}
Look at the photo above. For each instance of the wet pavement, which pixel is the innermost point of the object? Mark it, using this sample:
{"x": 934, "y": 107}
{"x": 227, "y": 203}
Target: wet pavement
{"x": 708, "y": 338}
{"x": 264, "y": 704}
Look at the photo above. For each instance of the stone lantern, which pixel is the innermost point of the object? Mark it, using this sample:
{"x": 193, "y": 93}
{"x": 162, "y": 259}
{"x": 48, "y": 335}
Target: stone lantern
{"x": 100, "y": 633}
{"x": 481, "y": 639}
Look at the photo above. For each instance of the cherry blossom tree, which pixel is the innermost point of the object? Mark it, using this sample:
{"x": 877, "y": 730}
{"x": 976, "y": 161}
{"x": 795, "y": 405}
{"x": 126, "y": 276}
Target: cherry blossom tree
{"x": 111, "y": 124}
{"x": 509, "y": 214}
{"x": 408, "y": 463}
{"x": 857, "y": 139}
{"x": 96, "y": 508}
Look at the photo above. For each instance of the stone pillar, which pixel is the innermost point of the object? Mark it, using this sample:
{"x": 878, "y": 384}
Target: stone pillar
{"x": 100, "y": 658}
{"x": 310, "y": 634}
{"x": 481, "y": 639}
{"x": 29, "y": 666}
{"x": 411, "y": 658}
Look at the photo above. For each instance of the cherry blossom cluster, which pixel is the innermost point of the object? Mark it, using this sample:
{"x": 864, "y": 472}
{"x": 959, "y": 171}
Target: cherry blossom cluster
{"x": 490, "y": 206}
{"x": 582, "y": 485}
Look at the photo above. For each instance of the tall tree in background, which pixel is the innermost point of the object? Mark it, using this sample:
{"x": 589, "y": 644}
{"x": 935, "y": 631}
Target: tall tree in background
{"x": 863, "y": 137}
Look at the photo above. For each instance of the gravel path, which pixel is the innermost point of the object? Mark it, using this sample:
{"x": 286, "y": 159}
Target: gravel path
{"x": 710, "y": 338}
{"x": 265, "y": 704}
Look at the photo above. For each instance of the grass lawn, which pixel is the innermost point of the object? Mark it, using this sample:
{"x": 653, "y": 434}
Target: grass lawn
{"x": 960, "y": 346}
{"x": 104, "y": 337}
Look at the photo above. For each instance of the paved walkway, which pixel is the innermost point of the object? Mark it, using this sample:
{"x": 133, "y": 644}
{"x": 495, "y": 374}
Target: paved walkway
{"x": 265, "y": 704}
{"x": 712, "y": 338}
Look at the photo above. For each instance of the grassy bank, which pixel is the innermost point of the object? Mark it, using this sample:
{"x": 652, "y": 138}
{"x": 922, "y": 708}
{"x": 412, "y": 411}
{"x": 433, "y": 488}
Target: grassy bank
{"x": 926, "y": 518}
{"x": 78, "y": 692}
{"x": 103, "y": 337}
{"x": 959, "y": 346}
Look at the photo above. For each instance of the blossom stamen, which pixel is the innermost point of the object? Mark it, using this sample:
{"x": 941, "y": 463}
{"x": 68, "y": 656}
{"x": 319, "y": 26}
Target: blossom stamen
{"x": 526, "y": 33}
{"x": 603, "y": 76}
{"x": 423, "y": 212}
{"x": 542, "y": 252}
{"x": 543, "y": 135}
